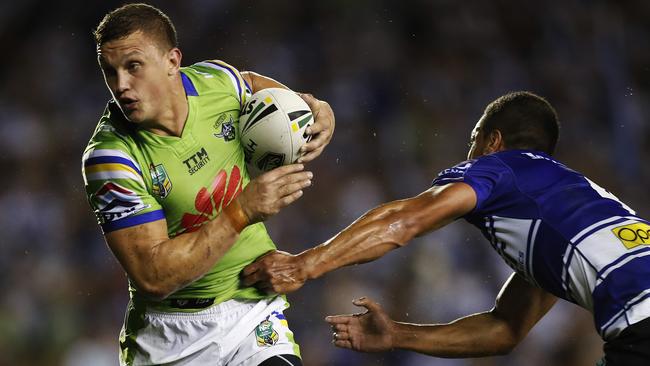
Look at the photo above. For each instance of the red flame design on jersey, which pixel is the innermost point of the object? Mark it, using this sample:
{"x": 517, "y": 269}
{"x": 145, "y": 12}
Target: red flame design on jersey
{"x": 209, "y": 201}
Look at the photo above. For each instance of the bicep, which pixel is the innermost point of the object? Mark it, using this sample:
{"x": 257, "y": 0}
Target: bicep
{"x": 440, "y": 205}
{"x": 258, "y": 82}
{"x": 521, "y": 305}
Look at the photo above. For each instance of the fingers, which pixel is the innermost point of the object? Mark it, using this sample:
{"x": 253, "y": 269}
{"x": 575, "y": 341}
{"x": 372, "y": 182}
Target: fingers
{"x": 252, "y": 278}
{"x": 311, "y": 155}
{"x": 322, "y": 128}
{"x": 343, "y": 344}
{"x": 294, "y": 187}
{"x": 338, "y": 319}
{"x": 251, "y": 268}
{"x": 281, "y": 172}
{"x": 340, "y": 336}
{"x": 310, "y": 100}
{"x": 287, "y": 200}
{"x": 301, "y": 178}
{"x": 260, "y": 262}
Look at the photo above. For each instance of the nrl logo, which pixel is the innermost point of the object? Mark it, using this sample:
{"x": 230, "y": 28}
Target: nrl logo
{"x": 162, "y": 185}
{"x": 227, "y": 128}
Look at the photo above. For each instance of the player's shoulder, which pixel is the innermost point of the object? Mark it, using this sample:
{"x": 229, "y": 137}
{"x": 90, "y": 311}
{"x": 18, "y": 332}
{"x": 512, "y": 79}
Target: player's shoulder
{"x": 113, "y": 135}
{"x": 535, "y": 162}
{"x": 205, "y": 74}
{"x": 491, "y": 161}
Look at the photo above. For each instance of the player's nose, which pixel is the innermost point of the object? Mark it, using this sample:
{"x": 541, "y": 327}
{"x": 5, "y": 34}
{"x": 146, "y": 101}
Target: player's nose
{"x": 122, "y": 82}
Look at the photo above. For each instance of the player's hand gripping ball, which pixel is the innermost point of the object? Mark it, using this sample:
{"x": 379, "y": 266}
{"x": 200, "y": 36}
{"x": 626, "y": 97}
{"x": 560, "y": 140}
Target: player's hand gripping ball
{"x": 272, "y": 128}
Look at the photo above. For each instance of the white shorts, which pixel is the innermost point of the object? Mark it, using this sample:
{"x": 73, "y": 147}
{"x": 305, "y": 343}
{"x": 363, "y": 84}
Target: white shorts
{"x": 235, "y": 332}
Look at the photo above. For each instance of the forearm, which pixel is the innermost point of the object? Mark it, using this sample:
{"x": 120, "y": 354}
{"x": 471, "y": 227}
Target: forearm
{"x": 177, "y": 262}
{"x": 389, "y": 226}
{"x": 476, "y": 335}
{"x": 159, "y": 266}
{"x": 370, "y": 237}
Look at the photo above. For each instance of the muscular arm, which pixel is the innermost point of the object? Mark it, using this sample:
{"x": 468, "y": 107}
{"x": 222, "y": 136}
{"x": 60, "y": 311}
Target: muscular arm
{"x": 390, "y": 226}
{"x": 519, "y": 306}
{"x": 159, "y": 266}
{"x": 379, "y": 231}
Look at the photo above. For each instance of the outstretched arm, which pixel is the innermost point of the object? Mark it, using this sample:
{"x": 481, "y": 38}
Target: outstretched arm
{"x": 379, "y": 231}
{"x": 519, "y": 306}
{"x": 324, "y": 122}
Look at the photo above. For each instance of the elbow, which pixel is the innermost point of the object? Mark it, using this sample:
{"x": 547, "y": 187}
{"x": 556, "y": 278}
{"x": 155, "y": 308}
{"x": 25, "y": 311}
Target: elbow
{"x": 153, "y": 291}
{"x": 505, "y": 349}
{"x": 506, "y": 340}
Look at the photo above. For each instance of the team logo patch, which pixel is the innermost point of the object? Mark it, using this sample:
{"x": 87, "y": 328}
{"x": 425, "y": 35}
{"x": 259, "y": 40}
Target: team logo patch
{"x": 265, "y": 334}
{"x": 162, "y": 185}
{"x": 113, "y": 202}
{"x": 227, "y": 128}
{"x": 633, "y": 235}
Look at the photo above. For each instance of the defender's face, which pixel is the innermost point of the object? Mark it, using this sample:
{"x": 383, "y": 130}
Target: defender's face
{"x": 136, "y": 72}
{"x": 477, "y": 141}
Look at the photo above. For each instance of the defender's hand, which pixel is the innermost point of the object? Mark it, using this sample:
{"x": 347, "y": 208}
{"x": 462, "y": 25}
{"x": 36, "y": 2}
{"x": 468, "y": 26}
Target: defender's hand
{"x": 365, "y": 332}
{"x": 322, "y": 129}
{"x": 277, "y": 272}
{"x": 265, "y": 195}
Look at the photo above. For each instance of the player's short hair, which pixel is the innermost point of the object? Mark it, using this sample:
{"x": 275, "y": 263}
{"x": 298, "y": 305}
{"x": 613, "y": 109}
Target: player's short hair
{"x": 131, "y": 18}
{"x": 526, "y": 121}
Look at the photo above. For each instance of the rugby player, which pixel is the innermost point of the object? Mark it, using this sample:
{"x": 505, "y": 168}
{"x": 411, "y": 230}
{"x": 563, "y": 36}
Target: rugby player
{"x": 165, "y": 175}
{"x": 564, "y": 236}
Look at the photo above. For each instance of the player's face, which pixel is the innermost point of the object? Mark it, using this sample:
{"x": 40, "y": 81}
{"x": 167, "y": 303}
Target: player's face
{"x": 477, "y": 141}
{"x": 136, "y": 72}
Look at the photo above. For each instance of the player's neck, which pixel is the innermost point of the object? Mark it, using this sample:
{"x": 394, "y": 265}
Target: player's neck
{"x": 174, "y": 112}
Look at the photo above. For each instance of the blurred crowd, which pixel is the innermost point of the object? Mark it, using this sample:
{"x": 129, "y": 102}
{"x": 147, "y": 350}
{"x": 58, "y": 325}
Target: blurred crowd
{"x": 407, "y": 81}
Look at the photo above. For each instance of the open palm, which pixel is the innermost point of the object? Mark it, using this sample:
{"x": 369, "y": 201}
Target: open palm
{"x": 370, "y": 331}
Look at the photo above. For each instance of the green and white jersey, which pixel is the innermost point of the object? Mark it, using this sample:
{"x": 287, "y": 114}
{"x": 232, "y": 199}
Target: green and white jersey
{"x": 133, "y": 176}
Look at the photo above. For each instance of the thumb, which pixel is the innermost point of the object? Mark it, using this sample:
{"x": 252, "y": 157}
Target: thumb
{"x": 311, "y": 101}
{"x": 367, "y": 303}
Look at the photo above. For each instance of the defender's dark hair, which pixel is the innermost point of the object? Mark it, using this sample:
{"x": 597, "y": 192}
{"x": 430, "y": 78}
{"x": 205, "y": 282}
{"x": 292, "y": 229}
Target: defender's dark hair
{"x": 526, "y": 121}
{"x": 131, "y": 18}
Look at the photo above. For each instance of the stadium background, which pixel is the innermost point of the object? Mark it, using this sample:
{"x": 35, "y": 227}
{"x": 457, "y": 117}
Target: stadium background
{"x": 407, "y": 81}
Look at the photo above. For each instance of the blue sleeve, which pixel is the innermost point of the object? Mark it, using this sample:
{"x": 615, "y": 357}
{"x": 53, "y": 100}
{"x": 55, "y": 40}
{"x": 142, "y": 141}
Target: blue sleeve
{"x": 486, "y": 175}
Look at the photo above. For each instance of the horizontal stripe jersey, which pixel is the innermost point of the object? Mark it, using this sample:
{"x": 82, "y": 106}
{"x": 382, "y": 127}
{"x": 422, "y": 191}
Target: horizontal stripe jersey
{"x": 562, "y": 232}
{"x": 133, "y": 176}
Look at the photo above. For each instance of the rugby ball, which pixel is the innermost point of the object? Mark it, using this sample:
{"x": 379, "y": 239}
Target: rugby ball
{"x": 272, "y": 128}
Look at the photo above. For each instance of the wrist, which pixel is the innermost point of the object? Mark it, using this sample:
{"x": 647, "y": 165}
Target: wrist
{"x": 236, "y": 216}
{"x": 395, "y": 331}
{"x": 309, "y": 264}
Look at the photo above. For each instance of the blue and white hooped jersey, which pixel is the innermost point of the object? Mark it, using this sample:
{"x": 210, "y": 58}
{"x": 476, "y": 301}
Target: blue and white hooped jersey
{"x": 562, "y": 232}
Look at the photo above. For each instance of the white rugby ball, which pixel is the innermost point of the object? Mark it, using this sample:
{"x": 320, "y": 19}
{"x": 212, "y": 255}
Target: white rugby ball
{"x": 272, "y": 128}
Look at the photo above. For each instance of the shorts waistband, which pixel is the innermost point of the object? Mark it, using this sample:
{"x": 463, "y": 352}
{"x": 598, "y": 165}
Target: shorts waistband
{"x": 192, "y": 303}
{"x": 198, "y": 306}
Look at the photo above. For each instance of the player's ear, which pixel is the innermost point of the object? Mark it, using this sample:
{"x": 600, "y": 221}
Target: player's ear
{"x": 495, "y": 142}
{"x": 174, "y": 57}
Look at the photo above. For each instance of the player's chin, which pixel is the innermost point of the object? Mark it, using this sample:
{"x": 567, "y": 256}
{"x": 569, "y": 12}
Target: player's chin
{"x": 134, "y": 116}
